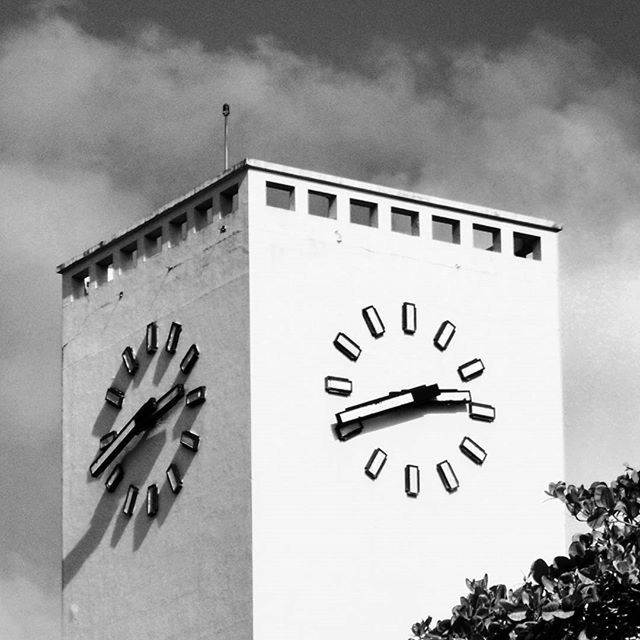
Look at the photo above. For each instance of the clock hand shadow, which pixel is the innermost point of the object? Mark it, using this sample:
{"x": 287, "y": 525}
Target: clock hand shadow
{"x": 162, "y": 364}
{"x": 73, "y": 561}
{"x": 186, "y": 419}
{"x": 396, "y": 418}
{"x": 182, "y": 460}
{"x": 138, "y": 464}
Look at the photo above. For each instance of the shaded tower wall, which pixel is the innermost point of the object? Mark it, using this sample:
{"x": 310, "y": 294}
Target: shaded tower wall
{"x": 185, "y": 573}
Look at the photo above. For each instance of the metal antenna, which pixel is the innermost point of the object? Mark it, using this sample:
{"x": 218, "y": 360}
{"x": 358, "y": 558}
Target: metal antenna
{"x": 225, "y": 112}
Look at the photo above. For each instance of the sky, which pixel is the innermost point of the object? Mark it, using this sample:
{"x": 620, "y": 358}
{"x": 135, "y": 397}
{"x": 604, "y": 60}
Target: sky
{"x": 110, "y": 109}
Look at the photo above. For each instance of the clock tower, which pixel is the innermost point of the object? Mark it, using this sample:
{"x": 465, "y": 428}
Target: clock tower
{"x": 302, "y": 406}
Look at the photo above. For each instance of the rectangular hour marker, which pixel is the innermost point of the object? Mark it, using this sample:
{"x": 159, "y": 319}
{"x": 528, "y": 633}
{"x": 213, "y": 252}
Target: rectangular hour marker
{"x": 375, "y": 463}
{"x": 347, "y": 346}
{"x": 196, "y": 396}
{"x": 484, "y": 412}
{"x": 444, "y": 335}
{"x": 373, "y": 321}
{"x": 130, "y": 500}
{"x": 473, "y": 450}
{"x": 470, "y": 370}
{"x": 348, "y": 431}
{"x": 168, "y": 400}
{"x": 190, "y": 440}
{"x": 190, "y": 358}
{"x": 338, "y": 386}
{"x": 409, "y": 317}
{"x": 114, "y": 397}
{"x": 173, "y": 476}
{"x": 412, "y": 480}
{"x": 107, "y": 439}
{"x": 152, "y": 500}
{"x": 453, "y": 396}
{"x": 114, "y": 478}
{"x": 152, "y": 337}
{"x": 173, "y": 337}
{"x": 448, "y": 476}
{"x": 130, "y": 361}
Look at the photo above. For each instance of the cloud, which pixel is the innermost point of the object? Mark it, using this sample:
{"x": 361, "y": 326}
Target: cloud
{"x": 96, "y": 133}
{"x": 28, "y": 612}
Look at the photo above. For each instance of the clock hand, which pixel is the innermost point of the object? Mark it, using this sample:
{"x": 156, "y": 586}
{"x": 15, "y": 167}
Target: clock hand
{"x": 168, "y": 401}
{"x": 143, "y": 419}
{"x": 395, "y": 401}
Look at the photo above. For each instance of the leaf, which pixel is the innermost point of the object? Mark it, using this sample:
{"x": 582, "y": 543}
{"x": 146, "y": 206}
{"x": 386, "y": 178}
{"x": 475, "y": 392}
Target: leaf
{"x": 518, "y": 616}
{"x": 563, "y": 615}
{"x": 506, "y": 605}
{"x": 548, "y": 584}
{"x": 576, "y": 549}
{"x": 538, "y": 569}
{"x": 563, "y": 564}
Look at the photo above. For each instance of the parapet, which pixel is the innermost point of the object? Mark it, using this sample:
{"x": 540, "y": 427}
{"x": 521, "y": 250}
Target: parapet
{"x": 345, "y": 201}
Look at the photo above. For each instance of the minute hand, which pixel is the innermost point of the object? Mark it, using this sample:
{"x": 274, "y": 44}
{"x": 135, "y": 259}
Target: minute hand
{"x": 414, "y": 397}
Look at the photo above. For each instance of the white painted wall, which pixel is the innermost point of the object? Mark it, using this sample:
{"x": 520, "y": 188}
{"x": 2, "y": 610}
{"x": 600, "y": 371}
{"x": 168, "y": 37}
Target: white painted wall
{"x": 335, "y": 554}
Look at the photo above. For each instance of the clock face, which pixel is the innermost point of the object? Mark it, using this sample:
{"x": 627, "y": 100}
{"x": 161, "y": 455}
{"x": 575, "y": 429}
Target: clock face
{"x": 425, "y": 385}
{"x": 146, "y": 400}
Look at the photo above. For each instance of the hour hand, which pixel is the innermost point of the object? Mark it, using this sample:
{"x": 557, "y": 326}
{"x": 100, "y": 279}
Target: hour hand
{"x": 143, "y": 419}
{"x": 349, "y": 422}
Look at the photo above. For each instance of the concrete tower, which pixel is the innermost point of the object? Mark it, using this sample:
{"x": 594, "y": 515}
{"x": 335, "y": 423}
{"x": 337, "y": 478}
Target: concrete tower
{"x": 267, "y": 506}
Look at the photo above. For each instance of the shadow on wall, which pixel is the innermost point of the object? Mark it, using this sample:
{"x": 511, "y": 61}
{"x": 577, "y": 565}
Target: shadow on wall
{"x": 138, "y": 464}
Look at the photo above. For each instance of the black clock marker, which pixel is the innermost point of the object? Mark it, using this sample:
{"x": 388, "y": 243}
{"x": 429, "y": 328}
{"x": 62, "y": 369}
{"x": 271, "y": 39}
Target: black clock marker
{"x": 444, "y": 335}
{"x": 130, "y": 500}
{"x": 338, "y": 386}
{"x": 196, "y": 396}
{"x": 375, "y": 463}
{"x": 373, "y": 321}
{"x": 484, "y": 412}
{"x": 409, "y": 318}
{"x": 152, "y": 337}
{"x": 173, "y": 337}
{"x": 348, "y": 431}
{"x": 173, "y": 476}
{"x": 130, "y": 361}
{"x": 106, "y": 440}
{"x": 473, "y": 450}
{"x": 470, "y": 370}
{"x": 114, "y": 397}
{"x": 345, "y": 345}
{"x": 190, "y": 440}
{"x": 448, "y": 476}
{"x": 152, "y": 500}
{"x": 412, "y": 480}
{"x": 190, "y": 358}
{"x": 114, "y": 478}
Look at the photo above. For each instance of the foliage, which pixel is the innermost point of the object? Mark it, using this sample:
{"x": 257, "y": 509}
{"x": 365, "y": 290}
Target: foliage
{"x": 593, "y": 593}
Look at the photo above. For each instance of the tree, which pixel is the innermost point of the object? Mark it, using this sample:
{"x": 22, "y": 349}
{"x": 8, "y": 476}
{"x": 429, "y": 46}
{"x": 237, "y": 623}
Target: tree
{"x": 593, "y": 593}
